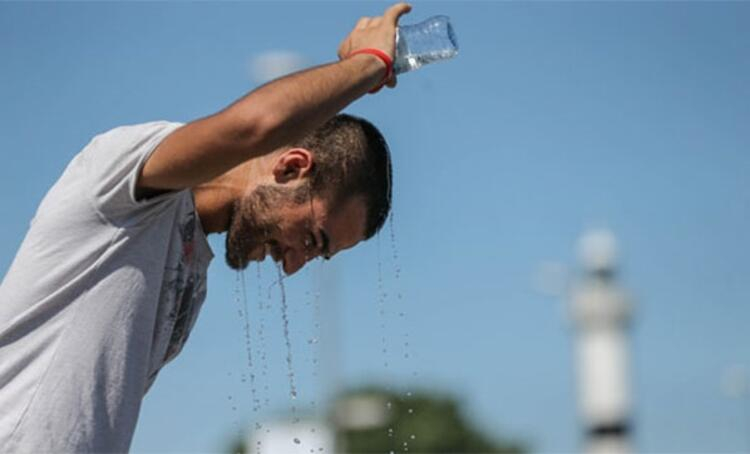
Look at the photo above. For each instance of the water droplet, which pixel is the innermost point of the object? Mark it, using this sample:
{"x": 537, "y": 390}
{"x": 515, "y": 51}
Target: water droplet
{"x": 413, "y": 437}
{"x": 388, "y": 405}
{"x": 411, "y": 410}
{"x": 408, "y": 393}
{"x": 296, "y": 440}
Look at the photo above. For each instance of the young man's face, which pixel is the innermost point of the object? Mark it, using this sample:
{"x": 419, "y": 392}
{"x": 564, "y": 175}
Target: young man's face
{"x": 269, "y": 221}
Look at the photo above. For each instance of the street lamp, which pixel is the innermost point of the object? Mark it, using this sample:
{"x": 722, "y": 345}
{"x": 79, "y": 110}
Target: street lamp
{"x": 601, "y": 313}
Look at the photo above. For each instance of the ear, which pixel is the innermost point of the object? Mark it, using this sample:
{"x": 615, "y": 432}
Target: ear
{"x": 293, "y": 164}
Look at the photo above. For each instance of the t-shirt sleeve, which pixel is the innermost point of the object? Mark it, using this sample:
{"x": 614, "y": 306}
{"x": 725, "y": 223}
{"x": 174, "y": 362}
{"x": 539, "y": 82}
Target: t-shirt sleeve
{"x": 114, "y": 161}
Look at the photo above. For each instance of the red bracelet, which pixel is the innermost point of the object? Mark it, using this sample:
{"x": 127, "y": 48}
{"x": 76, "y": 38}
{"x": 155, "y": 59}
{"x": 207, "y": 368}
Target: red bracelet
{"x": 384, "y": 57}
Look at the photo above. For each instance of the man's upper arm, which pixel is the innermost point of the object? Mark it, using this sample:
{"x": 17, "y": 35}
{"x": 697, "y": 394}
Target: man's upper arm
{"x": 197, "y": 152}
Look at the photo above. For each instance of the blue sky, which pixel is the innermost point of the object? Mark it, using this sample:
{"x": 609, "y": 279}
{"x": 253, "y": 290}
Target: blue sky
{"x": 556, "y": 116}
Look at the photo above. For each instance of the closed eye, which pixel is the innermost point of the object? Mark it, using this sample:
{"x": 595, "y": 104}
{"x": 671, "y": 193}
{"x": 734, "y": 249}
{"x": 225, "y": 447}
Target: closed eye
{"x": 312, "y": 243}
{"x": 325, "y": 244}
{"x": 319, "y": 246}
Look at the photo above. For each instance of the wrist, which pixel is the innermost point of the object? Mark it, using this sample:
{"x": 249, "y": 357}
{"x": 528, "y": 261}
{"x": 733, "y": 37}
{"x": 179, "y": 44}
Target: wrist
{"x": 377, "y": 59}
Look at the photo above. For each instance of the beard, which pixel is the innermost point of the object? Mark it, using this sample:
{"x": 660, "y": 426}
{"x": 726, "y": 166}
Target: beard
{"x": 252, "y": 224}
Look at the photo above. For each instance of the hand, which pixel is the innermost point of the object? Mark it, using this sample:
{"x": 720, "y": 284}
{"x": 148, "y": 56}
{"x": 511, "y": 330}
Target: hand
{"x": 376, "y": 32}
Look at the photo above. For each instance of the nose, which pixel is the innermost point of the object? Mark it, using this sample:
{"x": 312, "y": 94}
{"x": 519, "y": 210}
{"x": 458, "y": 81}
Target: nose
{"x": 294, "y": 260}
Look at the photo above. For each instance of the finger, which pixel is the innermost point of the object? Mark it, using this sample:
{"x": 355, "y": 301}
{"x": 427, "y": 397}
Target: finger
{"x": 394, "y": 13}
{"x": 362, "y": 23}
{"x": 344, "y": 49}
{"x": 392, "y": 82}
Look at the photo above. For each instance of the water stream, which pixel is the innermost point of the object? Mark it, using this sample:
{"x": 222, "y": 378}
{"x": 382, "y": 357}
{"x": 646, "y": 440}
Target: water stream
{"x": 402, "y": 313}
{"x": 248, "y": 347}
{"x": 261, "y": 351}
{"x": 231, "y": 397}
{"x": 382, "y": 296}
{"x": 288, "y": 343}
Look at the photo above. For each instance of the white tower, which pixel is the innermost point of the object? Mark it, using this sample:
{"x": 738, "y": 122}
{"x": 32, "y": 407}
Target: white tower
{"x": 601, "y": 314}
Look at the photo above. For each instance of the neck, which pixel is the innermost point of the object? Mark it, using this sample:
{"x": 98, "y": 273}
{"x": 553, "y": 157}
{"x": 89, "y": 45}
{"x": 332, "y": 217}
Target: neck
{"x": 215, "y": 199}
{"x": 214, "y": 206}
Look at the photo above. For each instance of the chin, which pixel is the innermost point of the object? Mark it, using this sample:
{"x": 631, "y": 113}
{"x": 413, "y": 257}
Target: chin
{"x": 240, "y": 261}
{"x": 235, "y": 262}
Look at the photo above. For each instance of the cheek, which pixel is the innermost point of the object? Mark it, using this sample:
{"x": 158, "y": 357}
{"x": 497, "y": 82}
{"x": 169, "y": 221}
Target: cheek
{"x": 235, "y": 226}
{"x": 290, "y": 236}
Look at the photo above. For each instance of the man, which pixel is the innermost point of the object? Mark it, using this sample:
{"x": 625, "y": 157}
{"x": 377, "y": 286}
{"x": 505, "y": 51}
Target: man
{"x": 110, "y": 277}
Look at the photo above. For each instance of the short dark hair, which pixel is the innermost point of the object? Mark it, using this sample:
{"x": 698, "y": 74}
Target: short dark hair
{"x": 351, "y": 158}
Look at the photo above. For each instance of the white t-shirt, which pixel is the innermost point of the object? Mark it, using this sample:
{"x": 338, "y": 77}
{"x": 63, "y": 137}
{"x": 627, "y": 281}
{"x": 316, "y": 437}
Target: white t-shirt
{"x": 102, "y": 293}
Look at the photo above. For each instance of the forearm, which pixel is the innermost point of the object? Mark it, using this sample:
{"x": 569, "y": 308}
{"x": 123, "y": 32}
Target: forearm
{"x": 285, "y": 110}
{"x": 269, "y": 117}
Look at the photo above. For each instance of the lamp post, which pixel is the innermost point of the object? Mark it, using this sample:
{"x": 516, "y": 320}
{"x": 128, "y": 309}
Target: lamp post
{"x": 601, "y": 314}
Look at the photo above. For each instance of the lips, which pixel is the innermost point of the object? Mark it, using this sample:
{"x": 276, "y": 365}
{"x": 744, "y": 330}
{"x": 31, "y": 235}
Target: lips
{"x": 260, "y": 253}
{"x": 274, "y": 250}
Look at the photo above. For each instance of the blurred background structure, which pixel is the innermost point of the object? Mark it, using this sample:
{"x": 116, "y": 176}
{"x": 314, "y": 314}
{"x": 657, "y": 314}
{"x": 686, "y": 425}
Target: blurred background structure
{"x": 554, "y": 117}
{"x": 375, "y": 420}
{"x": 602, "y": 313}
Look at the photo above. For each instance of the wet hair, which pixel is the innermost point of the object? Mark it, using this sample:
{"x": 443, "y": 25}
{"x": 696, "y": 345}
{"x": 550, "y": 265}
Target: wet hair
{"x": 352, "y": 159}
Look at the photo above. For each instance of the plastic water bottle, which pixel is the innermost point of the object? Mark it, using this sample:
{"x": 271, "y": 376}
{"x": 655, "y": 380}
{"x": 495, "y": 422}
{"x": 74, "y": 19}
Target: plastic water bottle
{"x": 426, "y": 42}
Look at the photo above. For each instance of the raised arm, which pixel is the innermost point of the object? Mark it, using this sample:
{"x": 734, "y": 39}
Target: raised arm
{"x": 275, "y": 114}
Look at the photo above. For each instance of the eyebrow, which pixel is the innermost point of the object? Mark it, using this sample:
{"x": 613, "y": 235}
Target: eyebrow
{"x": 326, "y": 244}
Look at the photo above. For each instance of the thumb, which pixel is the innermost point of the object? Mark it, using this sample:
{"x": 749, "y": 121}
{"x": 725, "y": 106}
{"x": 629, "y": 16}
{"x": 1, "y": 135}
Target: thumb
{"x": 394, "y": 13}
